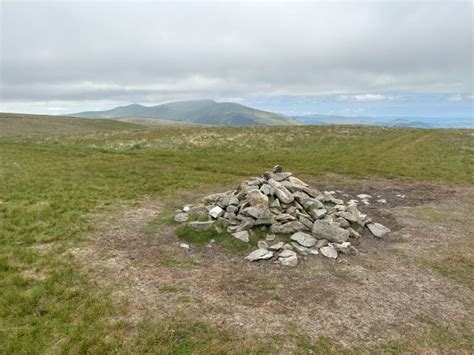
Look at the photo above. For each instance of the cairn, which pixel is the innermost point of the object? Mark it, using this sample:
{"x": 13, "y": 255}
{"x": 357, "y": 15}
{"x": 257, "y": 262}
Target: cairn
{"x": 285, "y": 206}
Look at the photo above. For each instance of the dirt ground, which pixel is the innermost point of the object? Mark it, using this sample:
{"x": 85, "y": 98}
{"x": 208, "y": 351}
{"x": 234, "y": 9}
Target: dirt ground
{"x": 383, "y": 293}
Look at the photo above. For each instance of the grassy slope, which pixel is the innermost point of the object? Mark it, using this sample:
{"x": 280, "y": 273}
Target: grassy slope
{"x": 49, "y": 185}
{"x": 14, "y": 124}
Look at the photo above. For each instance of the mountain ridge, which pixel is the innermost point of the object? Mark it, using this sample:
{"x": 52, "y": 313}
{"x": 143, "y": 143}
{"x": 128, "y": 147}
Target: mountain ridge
{"x": 207, "y": 112}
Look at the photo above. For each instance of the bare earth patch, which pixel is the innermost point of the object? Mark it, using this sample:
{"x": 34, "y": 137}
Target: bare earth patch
{"x": 387, "y": 292}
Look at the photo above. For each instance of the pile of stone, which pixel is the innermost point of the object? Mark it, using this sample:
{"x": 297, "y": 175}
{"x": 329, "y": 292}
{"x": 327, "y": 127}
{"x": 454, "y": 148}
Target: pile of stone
{"x": 300, "y": 220}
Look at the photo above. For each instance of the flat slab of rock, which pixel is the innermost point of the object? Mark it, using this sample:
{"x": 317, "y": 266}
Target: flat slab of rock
{"x": 242, "y": 235}
{"x": 276, "y": 246}
{"x": 288, "y": 228}
{"x": 200, "y": 226}
{"x": 288, "y": 258}
{"x": 330, "y": 232}
{"x": 259, "y": 254}
{"x": 281, "y": 192}
{"x": 329, "y": 252}
{"x": 216, "y": 212}
{"x": 181, "y": 217}
{"x": 255, "y": 197}
{"x": 303, "y": 239}
{"x": 378, "y": 230}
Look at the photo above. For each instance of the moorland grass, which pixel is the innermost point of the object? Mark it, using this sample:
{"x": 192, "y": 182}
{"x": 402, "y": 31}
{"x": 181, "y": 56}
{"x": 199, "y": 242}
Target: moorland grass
{"x": 51, "y": 184}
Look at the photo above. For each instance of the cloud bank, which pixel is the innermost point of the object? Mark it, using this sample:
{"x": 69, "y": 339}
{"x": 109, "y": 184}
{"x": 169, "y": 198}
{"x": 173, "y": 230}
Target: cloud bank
{"x": 94, "y": 53}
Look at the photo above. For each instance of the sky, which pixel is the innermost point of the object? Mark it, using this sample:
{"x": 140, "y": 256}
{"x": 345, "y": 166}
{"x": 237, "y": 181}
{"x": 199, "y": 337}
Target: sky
{"x": 356, "y": 58}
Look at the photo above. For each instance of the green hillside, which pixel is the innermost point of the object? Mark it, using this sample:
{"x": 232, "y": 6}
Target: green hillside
{"x": 16, "y": 124}
{"x": 55, "y": 193}
{"x": 206, "y": 112}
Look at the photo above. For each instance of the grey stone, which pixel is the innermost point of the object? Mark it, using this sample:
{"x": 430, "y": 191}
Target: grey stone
{"x": 312, "y": 203}
{"x": 275, "y": 203}
{"x": 262, "y": 244}
{"x": 325, "y": 230}
{"x": 329, "y": 252}
{"x": 229, "y": 215}
{"x": 258, "y": 212}
{"x": 301, "y": 197}
{"x": 232, "y": 208}
{"x": 216, "y": 212}
{"x": 287, "y": 228}
{"x": 286, "y": 253}
{"x": 259, "y": 254}
{"x": 303, "y": 239}
{"x": 184, "y": 246}
{"x": 245, "y": 224}
{"x": 306, "y": 222}
{"x": 277, "y": 169}
{"x": 186, "y": 208}
{"x": 347, "y": 215}
{"x": 292, "y": 211}
{"x": 281, "y": 176}
{"x": 227, "y": 200}
{"x": 267, "y": 189}
{"x": 199, "y": 226}
{"x": 181, "y": 217}
{"x": 317, "y": 213}
{"x": 264, "y": 221}
{"x": 213, "y": 198}
{"x": 276, "y": 246}
{"x": 270, "y": 237}
{"x": 255, "y": 197}
{"x": 300, "y": 249}
{"x": 364, "y": 196}
{"x": 353, "y": 233}
{"x": 281, "y": 192}
{"x": 344, "y": 223}
{"x": 200, "y": 212}
{"x": 321, "y": 243}
{"x": 242, "y": 235}
{"x": 285, "y": 217}
{"x": 288, "y": 258}
{"x": 343, "y": 248}
{"x": 378, "y": 230}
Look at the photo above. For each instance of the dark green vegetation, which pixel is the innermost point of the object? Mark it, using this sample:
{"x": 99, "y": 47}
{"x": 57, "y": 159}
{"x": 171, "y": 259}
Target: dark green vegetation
{"x": 50, "y": 186}
{"x": 206, "y": 112}
{"x": 221, "y": 238}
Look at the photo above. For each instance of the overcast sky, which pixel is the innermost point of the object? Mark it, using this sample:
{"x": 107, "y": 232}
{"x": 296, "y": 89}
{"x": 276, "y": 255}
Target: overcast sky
{"x": 59, "y": 57}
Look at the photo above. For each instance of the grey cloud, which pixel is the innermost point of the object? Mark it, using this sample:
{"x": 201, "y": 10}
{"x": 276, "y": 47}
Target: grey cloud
{"x": 161, "y": 51}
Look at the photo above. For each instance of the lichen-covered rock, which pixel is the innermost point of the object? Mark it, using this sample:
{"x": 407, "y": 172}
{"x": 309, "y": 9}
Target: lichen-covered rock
{"x": 329, "y": 252}
{"x": 378, "y": 230}
{"x": 288, "y": 228}
{"x": 303, "y": 239}
{"x": 242, "y": 235}
{"x": 325, "y": 230}
{"x": 259, "y": 254}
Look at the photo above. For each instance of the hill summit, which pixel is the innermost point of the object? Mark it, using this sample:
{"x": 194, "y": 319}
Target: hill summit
{"x": 207, "y": 112}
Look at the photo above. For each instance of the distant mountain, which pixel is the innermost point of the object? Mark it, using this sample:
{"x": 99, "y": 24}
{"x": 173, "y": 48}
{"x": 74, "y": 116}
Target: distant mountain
{"x": 206, "y": 112}
{"x": 316, "y": 119}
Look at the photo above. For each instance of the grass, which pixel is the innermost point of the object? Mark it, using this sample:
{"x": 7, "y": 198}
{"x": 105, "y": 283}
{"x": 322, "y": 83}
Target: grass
{"x": 50, "y": 185}
{"x": 221, "y": 238}
{"x": 456, "y": 266}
